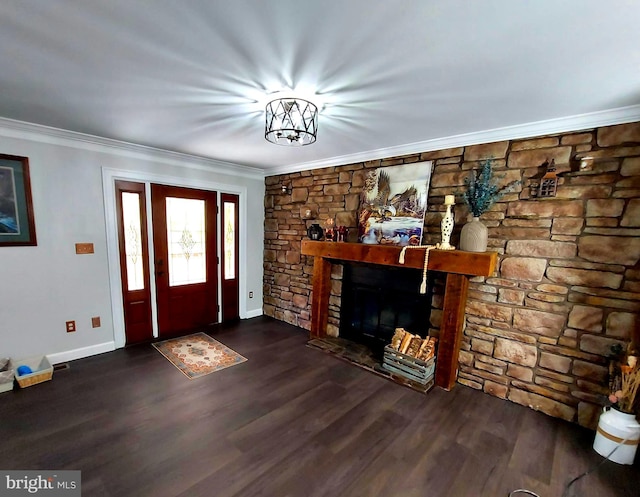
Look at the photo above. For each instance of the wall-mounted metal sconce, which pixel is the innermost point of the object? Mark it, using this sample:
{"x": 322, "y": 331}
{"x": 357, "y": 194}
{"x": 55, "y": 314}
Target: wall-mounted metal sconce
{"x": 545, "y": 184}
{"x": 583, "y": 165}
{"x": 586, "y": 163}
{"x": 286, "y": 189}
{"x": 549, "y": 182}
{"x": 307, "y": 213}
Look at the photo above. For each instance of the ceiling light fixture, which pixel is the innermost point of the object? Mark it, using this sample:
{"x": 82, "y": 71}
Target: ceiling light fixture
{"x": 291, "y": 122}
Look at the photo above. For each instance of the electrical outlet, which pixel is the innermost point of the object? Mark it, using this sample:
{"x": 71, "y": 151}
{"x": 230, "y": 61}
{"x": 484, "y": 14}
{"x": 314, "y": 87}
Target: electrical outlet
{"x": 250, "y": 295}
{"x": 71, "y": 326}
{"x": 95, "y": 322}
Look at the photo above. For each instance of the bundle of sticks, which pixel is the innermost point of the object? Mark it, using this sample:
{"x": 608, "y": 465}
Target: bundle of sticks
{"x": 413, "y": 345}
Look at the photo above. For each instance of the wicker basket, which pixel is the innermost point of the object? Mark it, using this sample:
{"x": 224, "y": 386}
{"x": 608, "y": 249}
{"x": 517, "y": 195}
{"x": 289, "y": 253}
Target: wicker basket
{"x": 41, "y": 367}
{"x": 6, "y": 375}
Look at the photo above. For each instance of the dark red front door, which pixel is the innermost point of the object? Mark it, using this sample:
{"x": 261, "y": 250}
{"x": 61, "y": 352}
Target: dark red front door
{"x": 184, "y": 240}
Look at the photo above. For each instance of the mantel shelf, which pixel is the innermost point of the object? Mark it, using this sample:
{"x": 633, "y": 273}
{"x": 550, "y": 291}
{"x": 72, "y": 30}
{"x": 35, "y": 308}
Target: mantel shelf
{"x": 446, "y": 261}
{"x": 458, "y": 265}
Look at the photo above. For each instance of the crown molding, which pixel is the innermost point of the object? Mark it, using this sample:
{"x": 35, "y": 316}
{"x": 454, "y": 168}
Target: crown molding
{"x": 579, "y": 122}
{"x": 45, "y": 134}
{"x": 11, "y": 128}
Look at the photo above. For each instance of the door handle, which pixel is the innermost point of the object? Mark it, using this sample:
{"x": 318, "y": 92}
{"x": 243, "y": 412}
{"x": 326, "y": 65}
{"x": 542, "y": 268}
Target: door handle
{"x": 159, "y": 264}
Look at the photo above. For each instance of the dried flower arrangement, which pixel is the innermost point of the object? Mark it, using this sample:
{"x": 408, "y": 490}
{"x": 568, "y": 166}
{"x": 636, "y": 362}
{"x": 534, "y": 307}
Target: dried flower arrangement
{"x": 624, "y": 379}
{"x": 482, "y": 189}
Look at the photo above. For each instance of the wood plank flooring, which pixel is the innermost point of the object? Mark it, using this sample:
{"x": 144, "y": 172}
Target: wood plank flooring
{"x": 291, "y": 421}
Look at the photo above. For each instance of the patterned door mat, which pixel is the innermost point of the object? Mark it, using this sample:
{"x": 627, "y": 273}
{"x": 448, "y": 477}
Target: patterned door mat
{"x": 198, "y": 354}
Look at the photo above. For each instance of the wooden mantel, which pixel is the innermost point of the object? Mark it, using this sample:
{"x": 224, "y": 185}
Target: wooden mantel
{"x": 459, "y": 266}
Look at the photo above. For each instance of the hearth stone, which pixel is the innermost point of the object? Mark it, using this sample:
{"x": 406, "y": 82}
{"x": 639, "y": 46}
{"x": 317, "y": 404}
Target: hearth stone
{"x": 362, "y": 356}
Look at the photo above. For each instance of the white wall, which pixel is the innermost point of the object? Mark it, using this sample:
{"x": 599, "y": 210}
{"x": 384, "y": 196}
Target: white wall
{"x": 41, "y": 287}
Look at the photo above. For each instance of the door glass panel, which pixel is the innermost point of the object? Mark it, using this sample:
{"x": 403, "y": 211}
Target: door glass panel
{"x": 186, "y": 241}
{"x": 229, "y": 240}
{"x": 133, "y": 240}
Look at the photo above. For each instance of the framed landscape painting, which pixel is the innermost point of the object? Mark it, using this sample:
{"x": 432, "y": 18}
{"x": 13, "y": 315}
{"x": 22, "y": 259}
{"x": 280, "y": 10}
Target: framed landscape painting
{"x": 393, "y": 203}
{"x": 17, "y": 226}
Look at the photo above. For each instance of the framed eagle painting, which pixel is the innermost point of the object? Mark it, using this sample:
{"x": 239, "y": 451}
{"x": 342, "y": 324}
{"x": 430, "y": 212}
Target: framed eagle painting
{"x": 393, "y": 204}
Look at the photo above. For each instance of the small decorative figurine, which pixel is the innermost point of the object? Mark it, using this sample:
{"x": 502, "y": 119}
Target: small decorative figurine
{"x": 447, "y": 224}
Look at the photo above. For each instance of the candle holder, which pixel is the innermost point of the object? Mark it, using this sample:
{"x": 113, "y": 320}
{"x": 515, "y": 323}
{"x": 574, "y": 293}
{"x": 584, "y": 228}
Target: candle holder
{"x": 329, "y": 230}
{"x": 447, "y": 223}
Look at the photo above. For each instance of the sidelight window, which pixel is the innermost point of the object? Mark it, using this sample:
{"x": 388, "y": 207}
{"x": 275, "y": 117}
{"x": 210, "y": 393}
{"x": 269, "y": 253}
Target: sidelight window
{"x": 133, "y": 240}
{"x": 229, "y": 240}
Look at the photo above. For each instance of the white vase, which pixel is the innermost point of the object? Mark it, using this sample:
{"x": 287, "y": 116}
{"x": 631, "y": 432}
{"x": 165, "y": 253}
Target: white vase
{"x": 474, "y": 236}
{"x": 614, "y": 428}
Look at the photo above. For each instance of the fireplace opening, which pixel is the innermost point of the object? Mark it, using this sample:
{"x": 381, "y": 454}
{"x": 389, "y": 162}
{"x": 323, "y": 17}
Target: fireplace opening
{"x": 378, "y": 299}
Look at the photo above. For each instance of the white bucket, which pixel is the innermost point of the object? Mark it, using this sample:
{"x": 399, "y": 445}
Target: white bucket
{"x": 614, "y": 428}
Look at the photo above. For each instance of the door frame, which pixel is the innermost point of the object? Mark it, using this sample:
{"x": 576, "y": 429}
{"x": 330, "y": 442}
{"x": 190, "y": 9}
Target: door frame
{"x": 109, "y": 176}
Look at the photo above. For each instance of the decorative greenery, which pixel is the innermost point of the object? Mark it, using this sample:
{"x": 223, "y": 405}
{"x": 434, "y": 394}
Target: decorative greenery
{"x": 482, "y": 190}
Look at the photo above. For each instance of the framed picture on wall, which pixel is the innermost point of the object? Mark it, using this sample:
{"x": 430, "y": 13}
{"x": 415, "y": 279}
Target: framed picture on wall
{"x": 17, "y": 225}
{"x": 393, "y": 203}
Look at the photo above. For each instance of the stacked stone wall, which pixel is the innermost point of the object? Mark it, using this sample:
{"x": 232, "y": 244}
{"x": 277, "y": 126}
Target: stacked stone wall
{"x": 567, "y": 288}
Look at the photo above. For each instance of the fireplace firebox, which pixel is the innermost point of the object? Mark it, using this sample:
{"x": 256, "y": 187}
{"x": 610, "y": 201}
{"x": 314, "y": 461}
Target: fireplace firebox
{"x": 378, "y": 299}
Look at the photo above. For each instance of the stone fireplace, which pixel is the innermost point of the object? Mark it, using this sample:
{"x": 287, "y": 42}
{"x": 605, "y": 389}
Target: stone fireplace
{"x": 458, "y": 266}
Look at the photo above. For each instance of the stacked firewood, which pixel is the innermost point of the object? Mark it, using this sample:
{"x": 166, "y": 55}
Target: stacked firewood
{"x": 413, "y": 345}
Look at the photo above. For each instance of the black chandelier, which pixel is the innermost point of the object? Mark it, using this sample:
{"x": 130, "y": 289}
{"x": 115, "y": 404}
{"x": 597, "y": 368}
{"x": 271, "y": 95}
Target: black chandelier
{"x": 291, "y": 122}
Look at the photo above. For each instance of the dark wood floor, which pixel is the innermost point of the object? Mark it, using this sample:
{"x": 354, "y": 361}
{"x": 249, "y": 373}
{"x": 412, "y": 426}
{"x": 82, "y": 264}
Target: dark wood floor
{"x": 291, "y": 421}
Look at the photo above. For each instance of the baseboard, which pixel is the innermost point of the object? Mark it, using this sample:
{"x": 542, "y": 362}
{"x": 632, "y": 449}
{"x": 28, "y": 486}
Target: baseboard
{"x": 252, "y": 314}
{"x": 71, "y": 355}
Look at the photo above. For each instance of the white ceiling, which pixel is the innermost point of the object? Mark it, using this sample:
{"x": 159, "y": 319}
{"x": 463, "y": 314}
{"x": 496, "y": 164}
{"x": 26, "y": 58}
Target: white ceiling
{"x": 192, "y": 76}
